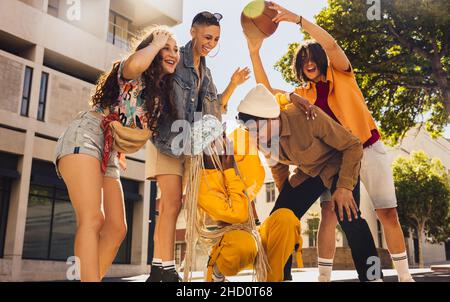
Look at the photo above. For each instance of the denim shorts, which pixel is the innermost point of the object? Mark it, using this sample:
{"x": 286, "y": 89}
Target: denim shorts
{"x": 85, "y": 136}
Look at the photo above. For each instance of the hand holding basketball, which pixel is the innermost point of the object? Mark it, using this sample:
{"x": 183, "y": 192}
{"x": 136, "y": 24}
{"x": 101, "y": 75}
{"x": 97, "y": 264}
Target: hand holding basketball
{"x": 254, "y": 44}
{"x": 256, "y": 20}
{"x": 283, "y": 14}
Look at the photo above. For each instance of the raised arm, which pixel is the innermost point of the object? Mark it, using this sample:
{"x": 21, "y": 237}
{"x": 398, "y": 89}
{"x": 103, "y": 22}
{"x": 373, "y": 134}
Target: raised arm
{"x": 141, "y": 60}
{"x": 334, "y": 51}
{"x": 254, "y": 47}
{"x": 239, "y": 77}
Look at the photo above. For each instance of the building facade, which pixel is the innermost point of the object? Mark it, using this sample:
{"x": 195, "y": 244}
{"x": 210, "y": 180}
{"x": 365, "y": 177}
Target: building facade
{"x": 51, "y": 53}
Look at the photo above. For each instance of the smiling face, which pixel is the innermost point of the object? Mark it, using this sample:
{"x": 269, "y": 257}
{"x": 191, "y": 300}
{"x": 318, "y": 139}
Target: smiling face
{"x": 311, "y": 62}
{"x": 170, "y": 56}
{"x": 205, "y": 38}
{"x": 311, "y": 70}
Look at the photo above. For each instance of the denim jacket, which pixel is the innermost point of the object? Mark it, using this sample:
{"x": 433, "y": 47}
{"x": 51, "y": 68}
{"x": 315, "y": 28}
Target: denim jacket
{"x": 186, "y": 96}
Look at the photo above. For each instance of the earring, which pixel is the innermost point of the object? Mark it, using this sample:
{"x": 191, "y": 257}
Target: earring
{"x": 218, "y": 50}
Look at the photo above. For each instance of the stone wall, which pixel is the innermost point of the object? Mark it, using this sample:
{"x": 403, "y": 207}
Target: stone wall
{"x": 11, "y": 85}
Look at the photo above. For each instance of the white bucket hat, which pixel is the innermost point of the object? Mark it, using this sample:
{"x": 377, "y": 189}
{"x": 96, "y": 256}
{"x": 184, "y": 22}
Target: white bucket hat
{"x": 260, "y": 102}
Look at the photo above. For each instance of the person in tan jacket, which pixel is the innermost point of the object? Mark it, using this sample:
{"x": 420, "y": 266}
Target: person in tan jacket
{"x": 326, "y": 156}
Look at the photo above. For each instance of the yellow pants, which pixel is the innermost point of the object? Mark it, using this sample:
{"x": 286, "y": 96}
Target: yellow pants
{"x": 237, "y": 249}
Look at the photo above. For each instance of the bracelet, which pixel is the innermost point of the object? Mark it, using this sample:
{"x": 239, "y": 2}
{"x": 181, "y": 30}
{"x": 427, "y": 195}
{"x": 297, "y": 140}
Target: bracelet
{"x": 300, "y": 22}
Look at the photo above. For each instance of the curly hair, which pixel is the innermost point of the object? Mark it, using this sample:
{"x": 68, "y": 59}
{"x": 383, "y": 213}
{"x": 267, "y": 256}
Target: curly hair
{"x": 159, "y": 99}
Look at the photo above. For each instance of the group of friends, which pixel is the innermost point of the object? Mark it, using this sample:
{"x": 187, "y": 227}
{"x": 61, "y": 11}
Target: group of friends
{"x": 323, "y": 129}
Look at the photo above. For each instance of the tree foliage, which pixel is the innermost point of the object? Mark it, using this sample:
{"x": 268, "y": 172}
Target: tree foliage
{"x": 401, "y": 61}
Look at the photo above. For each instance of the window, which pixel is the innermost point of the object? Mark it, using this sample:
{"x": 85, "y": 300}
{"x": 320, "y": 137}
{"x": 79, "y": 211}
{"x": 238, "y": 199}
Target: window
{"x": 270, "y": 192}
{"x": 26, "y": 91}
{"x": 50, "y": 225}
{"x": 124, "y": 254}
{"x": 42, "y": 96}
{"x": 179, "y": 253}
{"x": 53, "y": 7}
{"x": 313, "y": 227}
{"x": 118, "y": 32}
{"x": 51, "y": 222}
{"x": 5, "y": 189}
{"x": 380, "y": 234}
{"x": 152, "y": 221}
{"x": 131, "y": 195}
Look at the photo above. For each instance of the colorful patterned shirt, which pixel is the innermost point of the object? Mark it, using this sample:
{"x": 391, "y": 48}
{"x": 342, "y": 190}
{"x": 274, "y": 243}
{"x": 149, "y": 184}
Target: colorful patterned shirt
{"x": 131, "y": 107}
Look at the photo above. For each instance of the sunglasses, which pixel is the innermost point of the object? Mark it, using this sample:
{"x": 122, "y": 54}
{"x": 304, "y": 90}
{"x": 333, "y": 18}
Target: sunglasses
{"x": 208, "y": 15}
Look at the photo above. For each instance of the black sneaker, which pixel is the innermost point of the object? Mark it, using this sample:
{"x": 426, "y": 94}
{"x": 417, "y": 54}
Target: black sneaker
{"x": 170, "y": 276}
{"x": 155, "y": 274}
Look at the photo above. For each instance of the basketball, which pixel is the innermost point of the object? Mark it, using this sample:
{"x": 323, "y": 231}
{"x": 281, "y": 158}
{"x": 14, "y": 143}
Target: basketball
{"x": 256, "y": 20}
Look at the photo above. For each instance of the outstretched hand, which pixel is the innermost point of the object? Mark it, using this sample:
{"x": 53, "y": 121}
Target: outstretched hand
{"x": 240, "y": 76}
{"x": 283, "y": 14}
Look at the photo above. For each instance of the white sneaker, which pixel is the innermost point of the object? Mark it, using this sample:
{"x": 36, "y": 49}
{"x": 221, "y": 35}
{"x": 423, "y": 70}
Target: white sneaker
{"x": 323, "y": 278}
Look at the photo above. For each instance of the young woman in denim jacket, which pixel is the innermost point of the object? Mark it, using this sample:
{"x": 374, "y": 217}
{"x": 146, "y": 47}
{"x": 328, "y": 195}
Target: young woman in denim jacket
{"x": 195, "y": 95}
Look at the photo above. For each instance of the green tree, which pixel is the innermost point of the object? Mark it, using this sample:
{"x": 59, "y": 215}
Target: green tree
{"x": 401, "y": 61}
{"x": 423, "y": 193}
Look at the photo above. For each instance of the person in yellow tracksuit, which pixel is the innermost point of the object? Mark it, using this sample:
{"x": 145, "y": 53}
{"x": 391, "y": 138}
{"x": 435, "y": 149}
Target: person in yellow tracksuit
{"x": 225, "y": 196}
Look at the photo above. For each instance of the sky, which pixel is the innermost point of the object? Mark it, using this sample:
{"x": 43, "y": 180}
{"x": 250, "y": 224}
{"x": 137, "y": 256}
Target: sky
{"x": 232, "y": 50}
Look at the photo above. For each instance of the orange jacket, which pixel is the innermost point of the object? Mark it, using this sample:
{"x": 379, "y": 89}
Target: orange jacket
{"x": 345, "y": 100}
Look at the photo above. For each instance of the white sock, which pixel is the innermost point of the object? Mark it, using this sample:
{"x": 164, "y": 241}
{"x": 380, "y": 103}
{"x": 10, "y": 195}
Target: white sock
{"x": 401, "y": 266}
{"x": 168, "y": 265}
{"x": 156, "y": 262}
{"x": 325, "y": 268}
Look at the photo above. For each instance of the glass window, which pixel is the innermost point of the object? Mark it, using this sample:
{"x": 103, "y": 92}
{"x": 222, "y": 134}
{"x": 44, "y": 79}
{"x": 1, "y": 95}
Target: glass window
{"x": 124, "y": 253}
{"x": 313, "y": 227}
{"x": 42, "y": 97}
{"x": 270, "y": 192}
{"x": 51, "y": 221}
{"x": 37, "y": 228}
{"x": 50, "y": 226}
{"x": 63, "y": 230}
{"x": 5, "y": 186}
{"x": 119, "y": 30}
{"x": 380, "y": 234}
{"x": 53, "y": 7}
{"x": 26, "y": 91}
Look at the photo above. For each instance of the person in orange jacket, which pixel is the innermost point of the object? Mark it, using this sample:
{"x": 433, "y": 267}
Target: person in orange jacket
{"x": 225, "y": 195}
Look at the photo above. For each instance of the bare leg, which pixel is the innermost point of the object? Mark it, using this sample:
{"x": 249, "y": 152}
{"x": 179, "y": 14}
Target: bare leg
{"x": 170, "y": 186}
{"x": 393, "y": 231}
{"x": 83, "y": 178}
{"x": 115, "y": 227}
{"x": 326, "y": 242}
{"x": 157, "y": 250}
